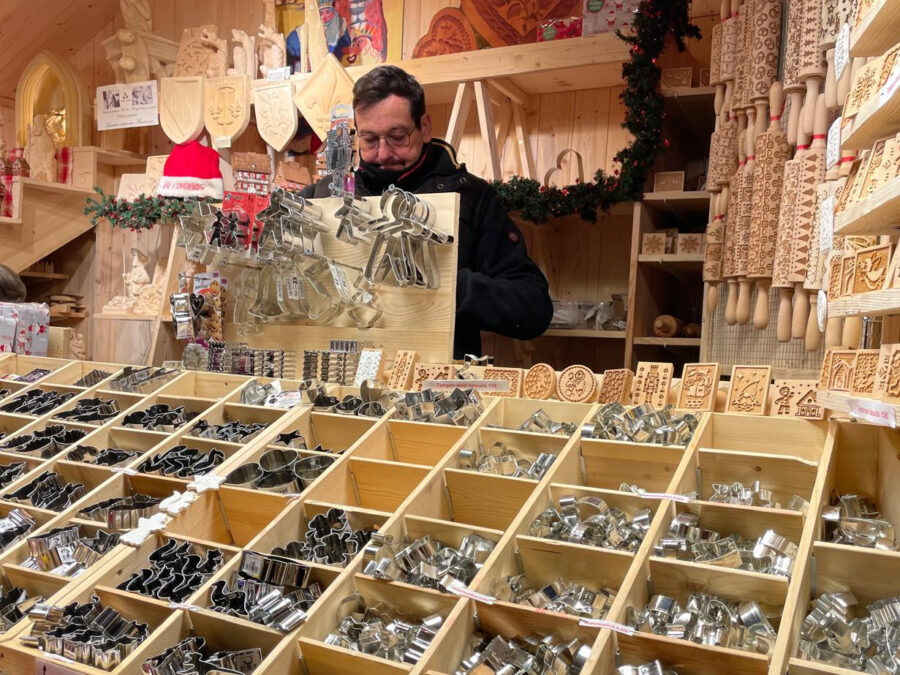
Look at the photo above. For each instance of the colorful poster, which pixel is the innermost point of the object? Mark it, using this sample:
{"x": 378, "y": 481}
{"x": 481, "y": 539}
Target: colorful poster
{"x": 357, "y": 31}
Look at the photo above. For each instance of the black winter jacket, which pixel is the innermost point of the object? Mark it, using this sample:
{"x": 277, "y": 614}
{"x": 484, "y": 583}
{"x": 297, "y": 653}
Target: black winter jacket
{"x": 498, "y": 287}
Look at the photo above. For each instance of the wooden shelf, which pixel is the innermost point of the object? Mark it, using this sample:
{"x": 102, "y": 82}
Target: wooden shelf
{"x": 536, "y": 68}
{"x": 878, "y": 214}
{"x": 111, "y": 316}
{"x": 68, "y": 317}
{"x": 876, "y": 303}
{"x": 836, "y": 401}
{"x": 667, "y": 342}
{"x": 879, "y": 119}
{"x": 43, "y": 276}
{"x": 682, "y": 204}
{"x": 682, "y": 262}
{"x": 878, "y": 32}
{"x": 584, "y": 333}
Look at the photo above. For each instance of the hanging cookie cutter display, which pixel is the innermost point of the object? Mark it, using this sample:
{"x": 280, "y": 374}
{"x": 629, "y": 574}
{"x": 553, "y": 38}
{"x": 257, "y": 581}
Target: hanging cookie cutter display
{"x": 294, "y": 272}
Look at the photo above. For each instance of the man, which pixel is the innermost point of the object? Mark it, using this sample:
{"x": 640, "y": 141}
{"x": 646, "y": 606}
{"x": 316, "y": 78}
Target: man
{"x": 498, "y": 287}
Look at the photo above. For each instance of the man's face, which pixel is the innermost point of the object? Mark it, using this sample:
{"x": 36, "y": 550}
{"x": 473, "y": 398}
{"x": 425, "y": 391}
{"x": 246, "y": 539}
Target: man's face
{"x": 400, "y": 142}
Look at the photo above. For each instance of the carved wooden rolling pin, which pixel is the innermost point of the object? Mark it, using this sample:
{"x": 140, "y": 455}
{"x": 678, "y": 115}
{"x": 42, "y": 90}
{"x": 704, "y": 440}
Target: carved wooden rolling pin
{"x": 812, "y": 68}
{"x": 766, "y": 47}
{"x": 732, "y": 227}
{"x": 729, "y": 42}
{"x": 772, "y": 151}
{"x": 742, "y": 56}
{"x": 812, "y": 173}
{"x": 712, "y": 255}
{"x": 755, "y": 126}
{"x": 781, "y": 268}
{"x": 835, "y": 13}
{"x": 793, "y": 86}
{"x": 815, "y": 269}
{"x": 715, "y": 63}
{"x": 834, "y": 326}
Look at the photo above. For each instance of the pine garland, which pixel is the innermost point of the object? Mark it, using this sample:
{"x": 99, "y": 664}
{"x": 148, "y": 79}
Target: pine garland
{"x": 140, "y": 214}
{"x": 653, "y": 21}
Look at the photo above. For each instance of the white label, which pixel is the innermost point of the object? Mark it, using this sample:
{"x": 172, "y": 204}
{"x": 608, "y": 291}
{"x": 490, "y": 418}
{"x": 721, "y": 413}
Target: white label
{"x": 833, "y": 153}
{"x": 873, "y": 412}
{"x": 279, "y": 290}
{"x": 459, "y": 588}
{"x": 278, "y": 74}
{"x": 120, "y": 106}
{"x": 665, "y": 495}
{"x": 826, "y": 224}
{"x": 822, "y": 310}
{"x": 222, "y": 141}
{"x": 183, "y": 605}
{"x": 487, "y": 386}
{"x": 890, "y": 87}
{"x": 842, "y": 51}
{"x": 611, "y": 625}
{"x": 294, "y": 287}
{"x": 128, "y": 471}
{"x": 340, "y": 280}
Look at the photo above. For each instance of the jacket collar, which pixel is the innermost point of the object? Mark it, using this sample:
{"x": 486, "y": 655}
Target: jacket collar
{"x": 438, "y": 158}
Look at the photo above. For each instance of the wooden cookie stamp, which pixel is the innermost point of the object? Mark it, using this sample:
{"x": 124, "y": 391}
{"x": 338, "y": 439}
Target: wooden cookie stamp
{"x": 540, "y": 381}
{"x": 577, "y": 384}
{"x": 749, "y": 390}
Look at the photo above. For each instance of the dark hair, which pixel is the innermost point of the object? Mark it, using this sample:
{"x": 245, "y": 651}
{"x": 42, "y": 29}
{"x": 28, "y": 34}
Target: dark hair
{"x": 381, "y": 82}
{"x": 12, "y": 289}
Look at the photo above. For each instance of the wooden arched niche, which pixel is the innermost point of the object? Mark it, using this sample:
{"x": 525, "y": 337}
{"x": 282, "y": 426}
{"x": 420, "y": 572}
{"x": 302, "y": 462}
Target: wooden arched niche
{"x": 46, "y": 84}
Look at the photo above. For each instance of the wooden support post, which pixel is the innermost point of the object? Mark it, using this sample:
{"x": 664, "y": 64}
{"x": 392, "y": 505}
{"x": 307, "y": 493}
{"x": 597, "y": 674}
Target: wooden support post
{"x": 523, "y": 138}
{"x": 504, "y": 119}
{"x": 460, "y": 114}
{"x": 486, "y": 122}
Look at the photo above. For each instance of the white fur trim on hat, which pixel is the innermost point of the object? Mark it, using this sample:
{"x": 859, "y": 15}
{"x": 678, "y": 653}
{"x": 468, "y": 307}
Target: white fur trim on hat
{"x": 185, "y": 186}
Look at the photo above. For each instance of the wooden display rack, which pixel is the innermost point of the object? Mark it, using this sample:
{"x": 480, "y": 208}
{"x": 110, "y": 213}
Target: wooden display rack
{"x": 403, "y": 479}
{"x": 414, "y": 318}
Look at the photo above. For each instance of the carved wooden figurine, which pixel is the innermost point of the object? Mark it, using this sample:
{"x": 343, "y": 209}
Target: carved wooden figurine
{"x": 77, "y": 346}
{"x": 243, "y": 54}
{"x": 40, "y": 151}
{"x": 272, "y": 53}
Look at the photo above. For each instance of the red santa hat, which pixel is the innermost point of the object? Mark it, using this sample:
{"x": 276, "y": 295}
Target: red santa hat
{"x": 192, "y": 170}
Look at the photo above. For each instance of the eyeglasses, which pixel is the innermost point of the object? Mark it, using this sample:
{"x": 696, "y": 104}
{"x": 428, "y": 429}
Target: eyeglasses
{"x": 396, "y": 140}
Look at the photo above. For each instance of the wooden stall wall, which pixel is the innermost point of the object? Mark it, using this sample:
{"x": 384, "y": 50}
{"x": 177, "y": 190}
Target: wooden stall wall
{"x": 588, "y": 120}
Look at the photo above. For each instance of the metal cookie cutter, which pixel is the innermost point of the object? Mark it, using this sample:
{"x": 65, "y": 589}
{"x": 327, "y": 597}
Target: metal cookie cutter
{"x": 558, "y": 596}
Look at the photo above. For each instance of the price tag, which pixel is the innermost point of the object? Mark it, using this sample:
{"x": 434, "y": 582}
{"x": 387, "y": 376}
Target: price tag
{"x": 611, "y": 625}
{"x": 294, "y": 288}
{"x": 822, "y": 310}
{"x": 222, "y": 142}
{"x": 665, "y": 495}
{"x": 833, "y": 152}
{"x": 842, "y": 51}
{"x": 459, "y": 588}
{"x": 484, "y": 386}
{"x": 279, "y": 290}
{"x": 278, "y": 74}
{"x": 826, "y": 224}
{"x": 340, "y": 281}
{"x": 889, "y": 88}
{"x": 873, "y": 412}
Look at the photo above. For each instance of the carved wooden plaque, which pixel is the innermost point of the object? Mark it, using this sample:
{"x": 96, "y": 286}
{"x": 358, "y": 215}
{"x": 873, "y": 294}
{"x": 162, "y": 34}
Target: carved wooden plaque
{"x": 402, "y": 370}
{"x": 796, "y": 398}
{"x": 835, "y": 265}
{"x": 689, "y": 244}
{"x": 749, "y": 390}
{"x": 848, "y": 265}
{"x": 181, "y": 108}
{"x": 881, "y": 370}
{"x": 651, "y": 384}
{"x": 892, "y": 381}
{"x": 511, "y": 375}
{"x": 616, "y": 386}
{"x": 699, "y": 385}
{"x": 577, "y": 384}
{"x": 276, "y": 116}
{"x": 423, "y": 373}
{"x": 870, "y": 268}
{"x": 329, "y": 85}
{"x": 840, "y": 369}
{"x": 226, "y": 110}
{"x": 865, "y": 367}
{"x": 540, "y": 381}
{"x": 653, "y": 244}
